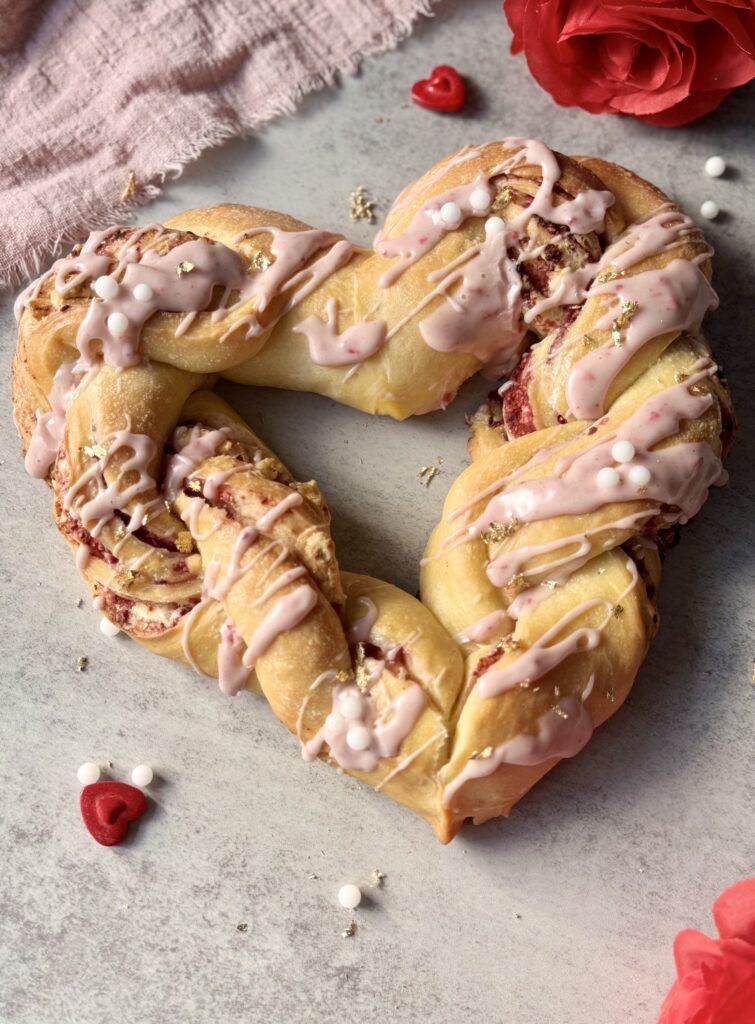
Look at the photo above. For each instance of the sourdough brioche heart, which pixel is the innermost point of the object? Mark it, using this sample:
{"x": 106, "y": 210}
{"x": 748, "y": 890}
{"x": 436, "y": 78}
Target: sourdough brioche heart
{"x": 107, "y": 808}
{"x": 538, "y": 584}
{"x": 443, "y": 90}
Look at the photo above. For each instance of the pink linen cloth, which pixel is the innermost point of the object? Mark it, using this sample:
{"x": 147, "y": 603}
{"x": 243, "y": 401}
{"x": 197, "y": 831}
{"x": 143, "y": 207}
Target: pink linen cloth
{"x": 92, "y": 88}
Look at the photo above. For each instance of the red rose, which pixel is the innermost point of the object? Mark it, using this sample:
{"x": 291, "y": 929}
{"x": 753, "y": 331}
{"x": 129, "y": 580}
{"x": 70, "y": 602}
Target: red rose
{"x": 664, "y": 61}
{"x": 716, "y": 983}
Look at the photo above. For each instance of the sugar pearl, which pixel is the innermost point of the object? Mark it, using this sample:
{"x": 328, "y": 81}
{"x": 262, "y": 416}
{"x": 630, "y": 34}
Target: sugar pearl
{"x": 479, "y": 200}
{"x": 88, "y": 773}
{"x": 117, "y": 324}
{"x": 607, "y": 478}
{"x": 106, "y": 287}
{"x": 358, "y": 737}
{"x": 451, "y": 215}
{"x": 108, "y": 628}
{"x": 350, "y": 896}
{"x": 715, "y": 166}
{"x": 351, "y": 705}
{"x": 494, "y": 226}
{"x": 709, "y": 209}
{"x": 623, "y": 451}
{"x": 143, "y": 293}
{"x": 639, "y": 475}
{"x": 142, "y": 775}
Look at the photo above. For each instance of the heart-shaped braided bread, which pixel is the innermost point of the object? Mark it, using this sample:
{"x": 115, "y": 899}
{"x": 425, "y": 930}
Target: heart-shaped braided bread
{"x": 538, "y": 585}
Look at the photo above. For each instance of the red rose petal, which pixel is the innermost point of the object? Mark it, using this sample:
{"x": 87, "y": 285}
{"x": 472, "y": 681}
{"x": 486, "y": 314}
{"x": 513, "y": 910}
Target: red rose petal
{"x": 734, "y": 911}
{"x": 107, "y": 808}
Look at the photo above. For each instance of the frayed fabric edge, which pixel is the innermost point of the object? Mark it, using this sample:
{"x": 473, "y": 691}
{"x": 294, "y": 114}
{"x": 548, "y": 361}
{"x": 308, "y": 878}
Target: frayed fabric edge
{"x": 216, "y": 133}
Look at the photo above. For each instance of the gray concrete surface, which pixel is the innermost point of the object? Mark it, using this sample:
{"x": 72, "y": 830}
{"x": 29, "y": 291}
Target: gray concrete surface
{"x": 564, "y": 914}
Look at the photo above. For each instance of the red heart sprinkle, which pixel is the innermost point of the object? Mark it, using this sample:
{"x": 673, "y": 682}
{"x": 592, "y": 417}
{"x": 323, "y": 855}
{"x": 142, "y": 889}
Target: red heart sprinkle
{"x": 107, "y": 808}
{"x": 443, "y": 90}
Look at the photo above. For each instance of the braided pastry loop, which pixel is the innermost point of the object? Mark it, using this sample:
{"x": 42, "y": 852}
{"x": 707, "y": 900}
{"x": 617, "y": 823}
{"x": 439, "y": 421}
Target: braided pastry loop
{"x": 538, "y": 584}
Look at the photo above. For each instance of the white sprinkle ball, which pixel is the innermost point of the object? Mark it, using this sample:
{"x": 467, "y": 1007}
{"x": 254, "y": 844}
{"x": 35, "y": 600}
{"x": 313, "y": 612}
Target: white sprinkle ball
{"x": 494, "y": 226}
{"x": 108, "y": 628}
{"x": 709, "y": 209}
{"x": 117, "y": 324}
{"x": 106, "y": 287}
{"x": 479, "y": 200}
{"x": 358, "y": 737}
{"x": 451, "y": 215}
{"x": 350, "y": 705}
{"x": 88, "y": 773}
{"x": 623, "y": 451}
{"x": 715, "y": 166}
{"x": 639, "y": 475}
{"x": 143, "y": 292}
{"x": 350, "y": 896}
{"x": 607, "y": 478}
{"x": 142, "y": 775}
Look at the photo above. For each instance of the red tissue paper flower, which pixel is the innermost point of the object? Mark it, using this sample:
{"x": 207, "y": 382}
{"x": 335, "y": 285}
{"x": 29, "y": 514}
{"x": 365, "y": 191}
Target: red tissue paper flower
{"x": 664, "y": 61}
{"x": 716, "y": 983}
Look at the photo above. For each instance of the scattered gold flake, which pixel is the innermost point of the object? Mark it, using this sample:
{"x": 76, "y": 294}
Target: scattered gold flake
{"x": 225, "y": 447}
{"x": 610, "y": 274}
{"x": 481, "y": 755}
{"x": 427, "y": 474}
{"x": 185, "y": 542}
{"x": 550, "y": 584}
{"x": 697, "y": 389}
{"x": 502, "y": 199}
{"x": 343, "y": 676}
{"x": 508, "y": 645}
{"x": 94, "y": 451}
{"x": 184, "y": 267}
{"x": 125, "y": 576}
{"x": 618, "y": 610}
{"x": 81, "y": 663}
{"x": 166, "y": 503}
{"x": 556, "y": 690}
{"x": 560, "y": 711}
{"x": 601, "y": 571}
{"x": 497, "y": 531}
{"x": 642, "y": 490}
{"x": 362, "y": 207}
{"x": 377, "y": 877}
{"x": 525, "y": 684}
{"x": 129, "y": 189}
{"x": 680, "y": 377}
{"x": 628, "y": 309}
{"x": 260, "y": 260}
{"x": 349, "y": 930}
{"x": 361, "y": 675}
{"x": 195, "y": 485}
{"x": 242, "y": 927}
{"x": 610, "y": 695}
{"x": 517, "y": 583}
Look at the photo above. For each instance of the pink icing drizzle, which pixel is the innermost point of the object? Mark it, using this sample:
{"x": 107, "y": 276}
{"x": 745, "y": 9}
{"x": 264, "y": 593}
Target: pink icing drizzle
{"x": 359, "y": 629}
{"x": 329, "y": 348}
{"x": 482, "y": 630}
{"x": 199, "y": 447}
{"x": 288, "y": 612}
{"x": 556, "y": 737}
{"x": 50, "y": 426}
{"x": 233, "y": 675}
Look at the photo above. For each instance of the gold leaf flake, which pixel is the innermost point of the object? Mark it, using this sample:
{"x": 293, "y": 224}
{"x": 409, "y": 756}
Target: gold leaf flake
{"x": 517, "y": 583}
{"x": 611, "y": 695}
{"x": 377, "y": 877}
{"x": 129, "y": 189}
{"x": 81, "y": 663}
{"x": 260, "y": 260}
{"x": 184, "y": 267}
{"x": 242, "y": 927}
{"x": 642, "y": 490}
{"x": 195, "y": 485}
{"x": 550, "y": 584}
{"x": 557, "y": 709}
{"x": 125, "y": 576}
{"x": 680, "y": 377}
{"x": 343, "y": 676}
{"x": 618, "y": 610}
{"x": 349, "y": 930}
{"x": 225, "y": 447}
{"x": 601, "y": 572}
{"x": 166, "y": 503}
{"x": 496, "y": 531}
{"x": 556, "y": 690}
{"x": 697, "y": 389}
{"x": 361, "y": 674}
{"x": 610, "y": 274}
{"x": 362, "y": 207}
{"x": 94, "y": 451}
{"x": 481, "y": 755}
{"x": 185, "y": 542}
{"x": 628, "y": 309}
{"x": 508, "y": 645}
{"x": 502, "y": 199}
{"x": 427, "y": 474}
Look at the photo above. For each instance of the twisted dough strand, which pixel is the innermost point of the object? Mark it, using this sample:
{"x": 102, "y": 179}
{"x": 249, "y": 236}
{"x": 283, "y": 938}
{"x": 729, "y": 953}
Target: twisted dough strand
{"x": 539, "y": 582}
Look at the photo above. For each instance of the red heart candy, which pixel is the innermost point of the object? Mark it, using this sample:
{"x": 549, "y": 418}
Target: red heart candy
{"x": 443, "y": 90}
{"x": 107, "y": 808}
